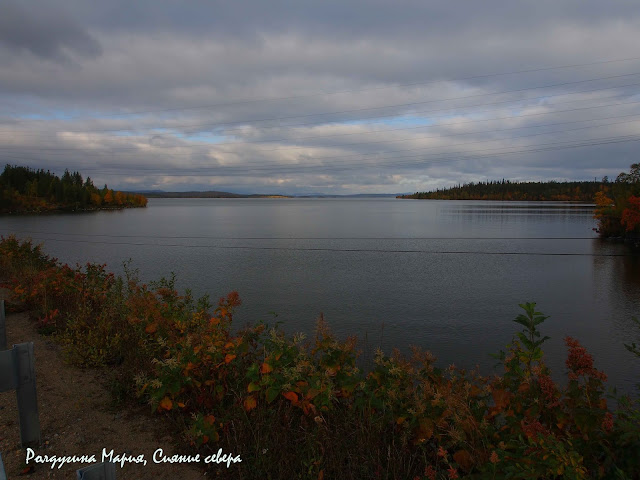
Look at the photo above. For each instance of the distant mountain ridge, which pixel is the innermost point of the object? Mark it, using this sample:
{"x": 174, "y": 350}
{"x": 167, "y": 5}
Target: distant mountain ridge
{"x": 219, "y": 194}
{"x": 206, "y": 194}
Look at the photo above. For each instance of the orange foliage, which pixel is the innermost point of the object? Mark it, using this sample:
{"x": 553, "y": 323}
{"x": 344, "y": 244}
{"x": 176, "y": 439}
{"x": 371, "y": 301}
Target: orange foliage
{"x": 250, "y": 403}
{"x": 291, "y": 396}
{"x": 631, "y": 214}
{"x": 166, "y": 404}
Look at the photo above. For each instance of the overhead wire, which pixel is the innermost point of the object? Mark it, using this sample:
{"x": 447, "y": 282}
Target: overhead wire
{"x": 304, "y": 168}
{"x": 420, "y": 163}
{"x": 248, "y": 121}
{"x": 378, "y": 158}
{"x": 445, "y": 136}
{"x": 210, "y": 237}
{"x": 419, "y": 137}
{"x": 111, "y": 151}
{"x": 351, "y": 250}
{"x": 404, "y": 85}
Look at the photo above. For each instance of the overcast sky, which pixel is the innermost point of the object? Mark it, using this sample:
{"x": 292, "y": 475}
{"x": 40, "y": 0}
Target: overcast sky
{"x": 320, "y": 96}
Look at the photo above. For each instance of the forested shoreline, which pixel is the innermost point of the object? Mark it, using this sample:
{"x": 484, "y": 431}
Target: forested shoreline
{"x": 517, "y": 191}
{"x": 617, "y": 203}
{"x": 618, "y": 206}
{"x": 26, "y": 190}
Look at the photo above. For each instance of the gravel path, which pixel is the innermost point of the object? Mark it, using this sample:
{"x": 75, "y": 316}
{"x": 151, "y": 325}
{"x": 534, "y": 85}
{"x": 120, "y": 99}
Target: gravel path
{"x": 77, "y": 418}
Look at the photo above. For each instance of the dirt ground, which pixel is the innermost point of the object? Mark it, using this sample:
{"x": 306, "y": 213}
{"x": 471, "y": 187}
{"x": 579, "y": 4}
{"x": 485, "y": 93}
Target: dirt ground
{"x": 77, "y": 418}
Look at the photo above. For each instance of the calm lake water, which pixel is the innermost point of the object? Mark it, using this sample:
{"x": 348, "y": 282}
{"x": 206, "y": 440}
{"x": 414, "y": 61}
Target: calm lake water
{"x": 443, "y": 275}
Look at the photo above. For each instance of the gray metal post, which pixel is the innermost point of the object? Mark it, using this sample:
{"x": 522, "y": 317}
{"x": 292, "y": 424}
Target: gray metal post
{"x": 7, "y": 371}
{"x": 3, "y": 474}
{"x": 98, "y": 471}
{"x": 26, "y": 393}
{"x": 3, "y": 327}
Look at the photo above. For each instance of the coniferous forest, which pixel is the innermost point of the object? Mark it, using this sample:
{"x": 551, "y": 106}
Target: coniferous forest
{"x": 523, "y": 191}
{"x": 26, "y": 190}
{"x": 617, "y": 203}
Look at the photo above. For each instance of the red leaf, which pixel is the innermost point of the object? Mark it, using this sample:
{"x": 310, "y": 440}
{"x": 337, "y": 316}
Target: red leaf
{"x": 292, "y": 396}
{"x": 250, "y": 403}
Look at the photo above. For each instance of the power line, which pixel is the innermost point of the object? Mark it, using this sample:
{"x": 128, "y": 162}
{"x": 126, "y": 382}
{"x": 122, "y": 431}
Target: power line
{"x": 378, "y": 117}
{"x": 55, "y": 150}
{"x": 364, "y": 156}
{"x": 433, "y": 116}
{"x": 302, "y": 168}
{"x": 217, "y": 125}
{"x": 208, "y": 237}
{"x": 450, "y": 156}
{"x": 269, "y": 99}
{"x": 350, "y": 250}
{"x": 421, "y": 137}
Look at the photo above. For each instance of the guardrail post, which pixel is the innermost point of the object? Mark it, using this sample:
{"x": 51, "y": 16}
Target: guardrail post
{"x": 98, "y": 471}
{"x": 26, "y": 393}
{"x": 7, "y": 371}
{"x": 3, "y": 474}
{"x": 17, "y": 371}
{"x": 3, "y": 327}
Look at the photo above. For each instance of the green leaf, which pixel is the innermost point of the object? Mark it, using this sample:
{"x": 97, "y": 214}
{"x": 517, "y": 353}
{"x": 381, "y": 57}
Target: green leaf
{"x": 253, "y": 387}
{"x": 253, "y": 372}
{"x": 272, "y": 394}
{"x": 525, "y": 341}
{"x": 538, "y": 320}
{"x": 522, "y": 320}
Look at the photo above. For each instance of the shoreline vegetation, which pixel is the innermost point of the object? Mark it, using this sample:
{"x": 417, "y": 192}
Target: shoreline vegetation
{"x": 507, "y": 190}
{"x": 618, "y": 207}
{"x": 24, "y": 190}
{"x": 617, "y": 203}
{"x": 301, "y": 408}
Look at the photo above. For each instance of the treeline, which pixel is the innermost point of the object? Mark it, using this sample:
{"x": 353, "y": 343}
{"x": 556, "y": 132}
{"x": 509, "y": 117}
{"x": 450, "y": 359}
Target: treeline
{"x": 523, "y": 191}
{"x": 618, "y": 206}
{"x": 23, "y": 189}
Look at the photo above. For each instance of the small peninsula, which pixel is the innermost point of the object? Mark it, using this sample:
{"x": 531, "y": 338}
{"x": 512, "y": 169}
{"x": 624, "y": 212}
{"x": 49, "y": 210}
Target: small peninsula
{"x": 25, "y": 190}
{"x": 617, "y": 203}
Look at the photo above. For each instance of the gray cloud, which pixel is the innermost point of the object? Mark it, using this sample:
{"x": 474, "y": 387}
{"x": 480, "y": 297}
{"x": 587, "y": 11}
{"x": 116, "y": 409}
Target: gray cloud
{"x": 231, "y": 95}
{"x": 44, "y": 30}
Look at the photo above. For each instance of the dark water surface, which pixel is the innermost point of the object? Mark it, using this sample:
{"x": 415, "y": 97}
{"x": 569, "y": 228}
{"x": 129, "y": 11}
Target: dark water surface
{"x": 443, "y": 275}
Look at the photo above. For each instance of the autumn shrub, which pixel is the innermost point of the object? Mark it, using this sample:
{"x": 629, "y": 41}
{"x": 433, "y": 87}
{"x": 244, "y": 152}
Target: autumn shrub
{"x": 618, "y": 206}
{"x": 297, "y": 407}
{"x": 631, "y": 214}
{"x": 23, "y": 259}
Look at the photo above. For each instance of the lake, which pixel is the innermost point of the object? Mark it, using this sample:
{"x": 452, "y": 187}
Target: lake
{"x": 443, "y": 275}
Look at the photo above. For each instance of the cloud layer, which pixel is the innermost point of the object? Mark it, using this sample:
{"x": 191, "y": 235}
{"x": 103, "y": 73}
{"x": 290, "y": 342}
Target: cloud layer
{"x": 331, "y": 97}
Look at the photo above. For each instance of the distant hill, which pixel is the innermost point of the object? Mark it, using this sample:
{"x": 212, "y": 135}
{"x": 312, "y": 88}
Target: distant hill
{"x": 522, "y": 191}
{"x": 208, "y": 194}
{"x": 217, "y": 194}
{"x": 355, "y": 195}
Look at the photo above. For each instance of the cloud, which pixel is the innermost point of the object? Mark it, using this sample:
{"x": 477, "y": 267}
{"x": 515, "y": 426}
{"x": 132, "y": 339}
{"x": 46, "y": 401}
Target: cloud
{"x": 341, "y": 97}
{"x": 44, "y": 30}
